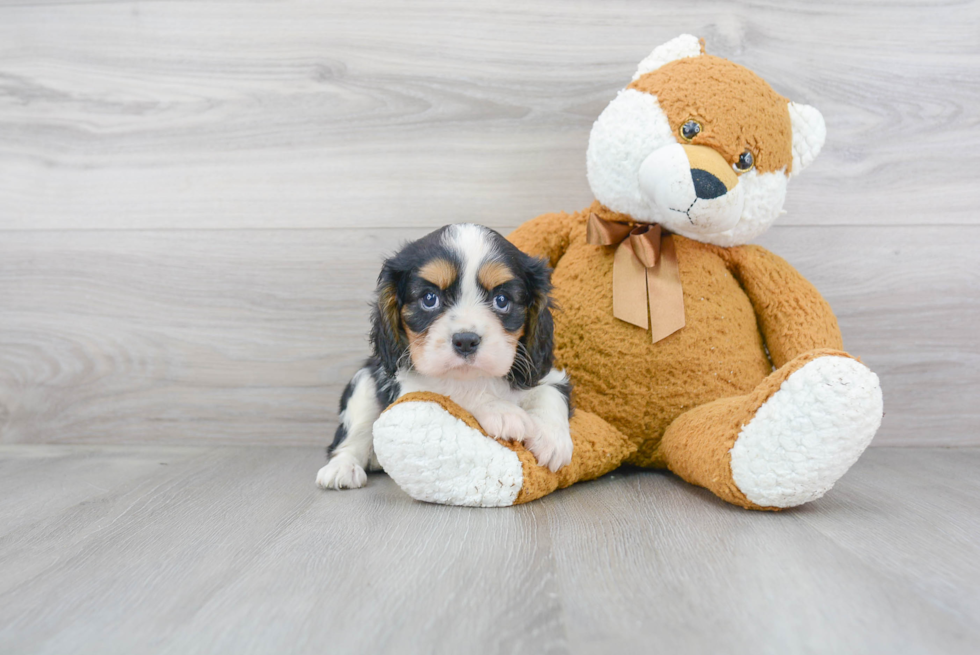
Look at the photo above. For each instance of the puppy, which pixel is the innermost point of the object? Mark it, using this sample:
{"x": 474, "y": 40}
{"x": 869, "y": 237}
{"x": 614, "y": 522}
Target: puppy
{"x": 463, "y": 313}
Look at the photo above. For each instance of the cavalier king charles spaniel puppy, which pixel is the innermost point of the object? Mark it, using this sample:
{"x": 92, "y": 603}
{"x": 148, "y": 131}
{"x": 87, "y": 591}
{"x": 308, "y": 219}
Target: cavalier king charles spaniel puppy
{"x": 463, "y": 313}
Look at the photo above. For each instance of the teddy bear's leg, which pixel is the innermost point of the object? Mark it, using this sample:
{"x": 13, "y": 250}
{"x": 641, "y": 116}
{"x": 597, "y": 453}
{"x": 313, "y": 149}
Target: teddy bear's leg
{"x": 785, "y": 443}
{"x": 438, "y": 453}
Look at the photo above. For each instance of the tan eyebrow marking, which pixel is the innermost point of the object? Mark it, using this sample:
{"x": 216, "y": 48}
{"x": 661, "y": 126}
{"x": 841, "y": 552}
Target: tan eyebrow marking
{"x": 439, "y": 272}
{"x": 493, "y": 274}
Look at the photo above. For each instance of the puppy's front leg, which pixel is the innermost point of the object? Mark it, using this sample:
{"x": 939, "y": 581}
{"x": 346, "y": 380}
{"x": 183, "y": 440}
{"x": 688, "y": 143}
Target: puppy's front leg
{"x": 353, "y": 446}
{"x": 503, "y": 419}
{"x": 548, "y": 404}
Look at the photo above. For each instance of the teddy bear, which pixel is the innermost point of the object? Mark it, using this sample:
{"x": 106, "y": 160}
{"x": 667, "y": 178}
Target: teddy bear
{"x": 688, "y": 349}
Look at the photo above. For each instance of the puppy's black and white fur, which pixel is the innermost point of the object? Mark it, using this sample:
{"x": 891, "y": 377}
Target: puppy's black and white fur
{"x": 463, "y": 313}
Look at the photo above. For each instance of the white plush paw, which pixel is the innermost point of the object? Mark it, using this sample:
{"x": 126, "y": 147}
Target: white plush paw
{"x": 341, "y": 472}
{"x": 505, "y": 421}
{"x": 436, "y": 458}
{"x": 550, "y": 444}
{"x": 806, "y": 436}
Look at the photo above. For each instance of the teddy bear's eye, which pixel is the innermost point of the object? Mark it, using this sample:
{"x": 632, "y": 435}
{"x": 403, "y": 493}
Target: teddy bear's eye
{"x": 690, "y": 129}
{"x": 745, "y": 162}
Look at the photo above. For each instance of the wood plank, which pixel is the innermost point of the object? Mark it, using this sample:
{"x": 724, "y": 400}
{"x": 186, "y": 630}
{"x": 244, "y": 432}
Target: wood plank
{"x": 385, "y": 574}
{"x": 649, "y": 562}
{"x": 908, "y": 303}
{"x": 156, "y": 555}
{"x": 53, "y": 478}
{"x": 179, "y": 115}
{"x": 928, "y": 519}
{"x": 237, "y": 337}
{"x": 235, "y": 550}
{"x": 184, "y": 528}
{"x": 248, "y": 337}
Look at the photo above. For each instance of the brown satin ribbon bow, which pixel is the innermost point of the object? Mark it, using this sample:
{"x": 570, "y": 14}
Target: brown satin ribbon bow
{"x": 646, "y": 279}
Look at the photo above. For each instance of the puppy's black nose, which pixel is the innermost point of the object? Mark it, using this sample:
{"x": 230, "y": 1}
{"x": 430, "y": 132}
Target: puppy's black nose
{"x": 465, "y": 343}
{"x": 706, "y": 185}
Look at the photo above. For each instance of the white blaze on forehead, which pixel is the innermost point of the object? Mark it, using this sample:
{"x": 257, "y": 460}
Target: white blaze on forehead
{"x": 473, "y": 245}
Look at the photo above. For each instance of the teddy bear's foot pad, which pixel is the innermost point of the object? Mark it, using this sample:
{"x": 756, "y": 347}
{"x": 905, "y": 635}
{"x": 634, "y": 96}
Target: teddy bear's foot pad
{"x": 437, "y": 458}
{"x": 808, "y": 433}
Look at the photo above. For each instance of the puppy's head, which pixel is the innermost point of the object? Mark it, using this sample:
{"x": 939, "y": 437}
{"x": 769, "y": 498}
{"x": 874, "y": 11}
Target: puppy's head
{"x": 464, "y": 303}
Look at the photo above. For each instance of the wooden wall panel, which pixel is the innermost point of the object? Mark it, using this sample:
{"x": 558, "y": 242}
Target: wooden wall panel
{"x": 243, "y": 337}
{"x": 198, "y": 115}
{"x": 194, "y": 196}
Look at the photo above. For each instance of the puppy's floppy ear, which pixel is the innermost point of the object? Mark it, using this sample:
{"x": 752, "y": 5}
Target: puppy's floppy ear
{"x": 387, "y": 336}
{"x": 539, "y": 328}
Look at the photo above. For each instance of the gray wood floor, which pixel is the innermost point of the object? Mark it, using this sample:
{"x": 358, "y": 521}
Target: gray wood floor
{"x": 151, "y": 549}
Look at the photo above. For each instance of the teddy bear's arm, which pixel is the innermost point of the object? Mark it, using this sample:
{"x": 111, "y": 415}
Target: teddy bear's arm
{"x": 793, "y": 316}
{"x": 545, "y": 236}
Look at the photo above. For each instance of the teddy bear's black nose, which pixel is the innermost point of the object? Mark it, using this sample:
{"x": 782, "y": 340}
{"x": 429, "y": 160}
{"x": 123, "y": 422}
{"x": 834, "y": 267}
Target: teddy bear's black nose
{"x": 706, "y": 185}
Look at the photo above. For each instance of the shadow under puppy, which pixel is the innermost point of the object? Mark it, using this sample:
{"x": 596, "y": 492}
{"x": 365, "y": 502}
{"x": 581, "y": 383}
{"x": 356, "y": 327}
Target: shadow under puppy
{"x": 463, "y": 313}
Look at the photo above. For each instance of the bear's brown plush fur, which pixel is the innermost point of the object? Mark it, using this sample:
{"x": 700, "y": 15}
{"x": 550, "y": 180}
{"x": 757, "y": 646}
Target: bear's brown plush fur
{"x": 736, "y": 109}
{"x": 738, "y": 301}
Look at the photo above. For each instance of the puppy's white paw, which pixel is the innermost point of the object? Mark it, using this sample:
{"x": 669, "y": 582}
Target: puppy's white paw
{"x": 551, "y": 444}
{"x": 505, "y": 421}
{"x": 341, "y": 472}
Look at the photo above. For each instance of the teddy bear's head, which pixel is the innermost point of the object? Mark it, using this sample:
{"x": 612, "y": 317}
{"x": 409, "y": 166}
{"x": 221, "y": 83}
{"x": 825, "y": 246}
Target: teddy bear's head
{"x": 700, "y": 145}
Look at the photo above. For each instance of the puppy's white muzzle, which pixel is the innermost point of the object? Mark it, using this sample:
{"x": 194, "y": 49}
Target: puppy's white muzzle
{"x": 692, "y": 189}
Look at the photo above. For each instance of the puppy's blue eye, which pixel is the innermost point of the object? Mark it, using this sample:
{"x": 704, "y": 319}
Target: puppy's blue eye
{"x": 429, "y": 301}
{"x": 501, "y": 303}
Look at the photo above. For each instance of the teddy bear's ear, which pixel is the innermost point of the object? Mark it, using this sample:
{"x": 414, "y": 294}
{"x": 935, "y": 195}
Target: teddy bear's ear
{"x": 683, "y": 46}
{"x": 809, "y": 133}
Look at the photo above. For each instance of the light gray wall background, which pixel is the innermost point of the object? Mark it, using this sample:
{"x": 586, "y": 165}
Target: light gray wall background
{"x": 195, "y": 196}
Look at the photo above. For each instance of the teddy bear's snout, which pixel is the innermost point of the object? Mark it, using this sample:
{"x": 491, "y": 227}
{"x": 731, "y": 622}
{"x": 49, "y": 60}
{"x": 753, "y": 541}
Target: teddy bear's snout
{"x": 691, "y": 189}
